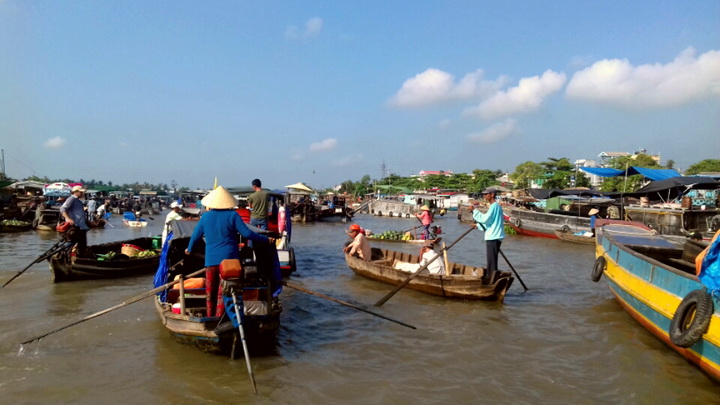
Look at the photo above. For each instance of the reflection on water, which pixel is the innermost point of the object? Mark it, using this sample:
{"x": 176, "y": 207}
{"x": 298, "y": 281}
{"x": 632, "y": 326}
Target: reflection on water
{"x": 563, "y": 341}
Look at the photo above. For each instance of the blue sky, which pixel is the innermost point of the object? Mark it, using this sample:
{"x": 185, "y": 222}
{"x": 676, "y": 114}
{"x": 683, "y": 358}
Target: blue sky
{"x": 328, "y": 91}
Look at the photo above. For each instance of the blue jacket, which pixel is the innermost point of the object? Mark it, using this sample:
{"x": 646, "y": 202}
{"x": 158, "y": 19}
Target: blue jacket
{"x": 221, "y": 228}
{"x": 493, "y": 221}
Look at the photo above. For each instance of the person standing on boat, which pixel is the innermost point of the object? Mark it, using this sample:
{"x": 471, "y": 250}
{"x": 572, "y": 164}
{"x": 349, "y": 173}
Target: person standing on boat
{"x": 426, "y": 219}
{"x": 593, "y": 217}
{"x": 91, "y": 208}
{"x": 359, "y": 246}
{"x": 259, "y": 202}
{"x": 492, "y": 222}
{"x": 173, "y": 215}
{"x": 73, "y": 211}
{"x": 220, "y": 226}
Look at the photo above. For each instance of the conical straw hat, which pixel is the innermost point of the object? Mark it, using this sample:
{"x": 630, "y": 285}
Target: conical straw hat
{"x": 219, "y": 198}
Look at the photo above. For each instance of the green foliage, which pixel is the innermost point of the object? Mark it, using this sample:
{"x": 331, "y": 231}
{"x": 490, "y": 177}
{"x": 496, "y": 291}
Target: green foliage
{"x": 707, "y": 165}
{"x": 525, "y": 173}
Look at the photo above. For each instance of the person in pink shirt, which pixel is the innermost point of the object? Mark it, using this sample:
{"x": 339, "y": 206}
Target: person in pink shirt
{"x": 426, "y": 218}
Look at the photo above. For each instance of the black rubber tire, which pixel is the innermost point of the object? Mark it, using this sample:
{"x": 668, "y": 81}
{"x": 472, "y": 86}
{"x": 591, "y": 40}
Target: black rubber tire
{"x": 408, "y": 216}
{"x": 691, "y": 319}
{"x": 565, "y": 228}
{"x": 598, "y": 269}
{"x": 390, "y": 214}
{"x": 517, "y": 222}
{"x": 293, "y": 265}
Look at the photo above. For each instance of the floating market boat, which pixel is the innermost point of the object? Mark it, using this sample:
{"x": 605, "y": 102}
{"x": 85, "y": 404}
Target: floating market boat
{"x": 653, "y": 278}
{"x": 575, "y": 237}
{"x": 107, "y": 260}
{"x": 257, "y": 285}
{"x": 13, "y": 225}
{"x": 460, "y": 281}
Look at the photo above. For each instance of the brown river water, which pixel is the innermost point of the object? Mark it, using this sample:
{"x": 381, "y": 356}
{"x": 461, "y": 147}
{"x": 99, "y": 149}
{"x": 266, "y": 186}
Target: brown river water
{"x": 564, "y": 341}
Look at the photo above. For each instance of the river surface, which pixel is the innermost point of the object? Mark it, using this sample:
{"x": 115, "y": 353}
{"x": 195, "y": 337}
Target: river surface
{"x": 564, "y": 341}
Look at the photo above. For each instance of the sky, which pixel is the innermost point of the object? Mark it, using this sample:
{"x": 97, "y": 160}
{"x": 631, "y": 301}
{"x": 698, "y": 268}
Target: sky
{"x": 327, "y": 91}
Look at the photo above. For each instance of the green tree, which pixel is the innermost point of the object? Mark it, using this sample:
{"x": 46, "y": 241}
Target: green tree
{"x": 707, "y": 165}
{"x": 525, "y": 173}
{"x": 558, "y": 172}
{"x": 483, "y": 179}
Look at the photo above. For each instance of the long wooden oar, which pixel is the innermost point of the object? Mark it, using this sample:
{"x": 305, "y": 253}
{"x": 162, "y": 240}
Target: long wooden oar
{"x": 507, "y": 261}
{"x": 57, "y": 248}
{"x": 347, "y": 304}
{"x": 244, "y": 343}
{"x": 412, "y": 276}
{"x": 126, "y": 303}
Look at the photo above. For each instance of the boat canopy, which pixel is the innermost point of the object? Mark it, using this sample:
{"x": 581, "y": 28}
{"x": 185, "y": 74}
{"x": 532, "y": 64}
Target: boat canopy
{"x": 673, "y": 188}
{"x": 652, "y": 174}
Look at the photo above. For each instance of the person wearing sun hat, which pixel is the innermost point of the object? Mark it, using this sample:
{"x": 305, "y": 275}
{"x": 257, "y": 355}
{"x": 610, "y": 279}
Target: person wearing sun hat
{"x": 359, "y": 246}
{"x": 427, "y": 255}
{"x": 173, "y": 215}
{"x": 492, "y": 222}
{"x": 220, "y": 226}
{"x": 426, "y": 219}
{"x": 593, "y": 217}
{"x": 73, "y": 211}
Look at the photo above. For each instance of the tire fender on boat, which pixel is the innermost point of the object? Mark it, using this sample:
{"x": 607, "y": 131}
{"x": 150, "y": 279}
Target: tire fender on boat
{"x": 691, "y": 319}
{"x": 565, "y": 228}
{"x": 598, "y": 269}
{"x": 517, "y": 222}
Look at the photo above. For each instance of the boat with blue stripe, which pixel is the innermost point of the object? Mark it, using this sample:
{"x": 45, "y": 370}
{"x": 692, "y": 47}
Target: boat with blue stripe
{"x": 654, "y": 280}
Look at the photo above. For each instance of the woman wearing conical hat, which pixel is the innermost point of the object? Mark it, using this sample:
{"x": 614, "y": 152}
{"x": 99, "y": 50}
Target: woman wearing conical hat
{"x": 220, "y": 227}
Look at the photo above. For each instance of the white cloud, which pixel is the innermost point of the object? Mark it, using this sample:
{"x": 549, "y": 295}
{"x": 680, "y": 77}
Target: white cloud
{"x": 349, "y": 160}
{"x": 687, "y": 78}
{"x": 324, "y": 146}
{"x": 496, "y": 132}
{"x": 312, "y": 29}
{"x": 434, "y": 86}
{"x": 524, "y": 98}
{"x": 55, "y": 143}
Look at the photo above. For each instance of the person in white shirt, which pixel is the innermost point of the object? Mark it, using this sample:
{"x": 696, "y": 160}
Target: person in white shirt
{"x": 427, "y": 253}
{"x": 174, "y": 214}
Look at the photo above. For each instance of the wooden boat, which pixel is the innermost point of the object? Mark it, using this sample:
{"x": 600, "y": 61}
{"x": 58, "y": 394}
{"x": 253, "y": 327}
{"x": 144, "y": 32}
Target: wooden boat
{"x": 135, "y": 223}
{"x": 544, "y": 224}
{"x": 652, "y": 279}
{"x": 10, "y": 226}
{"x": 66, "y": 267}
{"x": 569, "y": 236}
{"x": 411, "y": 241}
{"x": 463, "y": 282}
{"x": 183, "y": 311}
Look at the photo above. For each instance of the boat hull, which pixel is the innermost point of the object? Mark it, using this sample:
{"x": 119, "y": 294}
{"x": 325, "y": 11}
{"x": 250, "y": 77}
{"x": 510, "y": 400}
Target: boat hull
{"x": 65, "y": 268}
{"x": 465, "y": 282}
{"x": 650, "y": 290}
{"x": 568, "y": 236}
{"x": 543, "y": 224}
{"x": 199, "y": 331}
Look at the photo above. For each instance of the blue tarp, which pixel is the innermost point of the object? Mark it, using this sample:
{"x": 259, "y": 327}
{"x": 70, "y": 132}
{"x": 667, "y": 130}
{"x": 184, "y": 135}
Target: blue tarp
{"x": 652, "y": 174}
